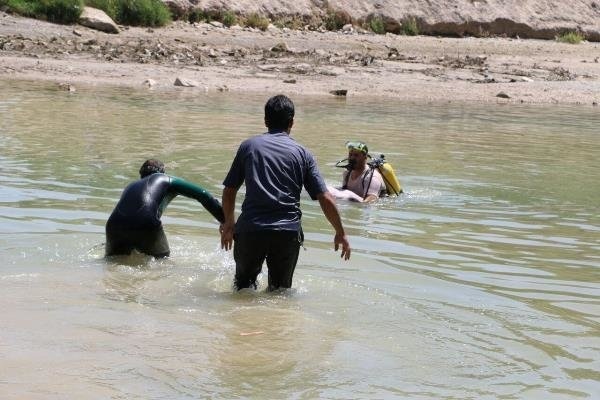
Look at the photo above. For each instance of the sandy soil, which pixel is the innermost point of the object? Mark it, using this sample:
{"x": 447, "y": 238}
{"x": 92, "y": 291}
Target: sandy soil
{"x": 419, "y": 68}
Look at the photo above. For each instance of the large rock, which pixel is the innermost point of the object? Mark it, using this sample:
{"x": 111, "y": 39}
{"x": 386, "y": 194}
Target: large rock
{"x": 97, "y": 19}
{"x": 541, "y": 19}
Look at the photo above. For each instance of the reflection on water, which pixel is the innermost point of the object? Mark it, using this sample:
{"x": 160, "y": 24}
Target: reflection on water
{"x": 481, "y": 281}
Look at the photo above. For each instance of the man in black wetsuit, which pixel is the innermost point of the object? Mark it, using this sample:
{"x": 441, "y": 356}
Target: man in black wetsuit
{"x": 135, "y": 222}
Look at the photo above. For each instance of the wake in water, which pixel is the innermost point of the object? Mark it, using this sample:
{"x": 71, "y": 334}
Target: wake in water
{"x": 191, "y": 276}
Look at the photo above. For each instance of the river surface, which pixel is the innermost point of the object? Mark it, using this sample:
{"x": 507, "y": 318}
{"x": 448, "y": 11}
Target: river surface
{"x": 481, "y": 281}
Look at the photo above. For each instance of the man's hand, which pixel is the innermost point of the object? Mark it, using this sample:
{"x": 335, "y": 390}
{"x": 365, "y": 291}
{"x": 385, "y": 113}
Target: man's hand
{"x": 227, "y": 227}
{"x": 340, "y": 239}
{"x": 327, "y": 203}
{"x": 226, "y": 230}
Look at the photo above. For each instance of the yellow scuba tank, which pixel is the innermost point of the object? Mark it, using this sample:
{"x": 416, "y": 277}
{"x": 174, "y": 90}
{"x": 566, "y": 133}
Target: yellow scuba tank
{"x": 389, "y": 177}
{"x": 392, "y": 185}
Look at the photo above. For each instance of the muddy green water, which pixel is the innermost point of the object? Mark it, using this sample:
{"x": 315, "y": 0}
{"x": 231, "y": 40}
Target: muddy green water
{"x": 482, "y": 281}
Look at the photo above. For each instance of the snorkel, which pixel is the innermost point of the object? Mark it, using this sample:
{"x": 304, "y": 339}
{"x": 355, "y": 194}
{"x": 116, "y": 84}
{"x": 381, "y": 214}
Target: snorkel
{"x": 349, "y": 164}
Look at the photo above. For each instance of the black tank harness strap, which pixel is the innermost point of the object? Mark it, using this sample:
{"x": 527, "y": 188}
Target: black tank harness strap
{"x": 364, "y": 177}
{"x": 346, "y": 167}
{"x": 374, "y": 164}
{"x": 347, "y": 177}
{"x": 366, "y": 191}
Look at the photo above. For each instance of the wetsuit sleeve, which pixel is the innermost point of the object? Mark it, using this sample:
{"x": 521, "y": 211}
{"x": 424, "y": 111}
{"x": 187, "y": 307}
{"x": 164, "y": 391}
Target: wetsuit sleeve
{"x": 187, "y": 189}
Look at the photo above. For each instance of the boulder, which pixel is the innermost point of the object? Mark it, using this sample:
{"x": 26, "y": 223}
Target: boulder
{"x": 280, "y": 47}
{"x": 149, "y": 83}
{"x": 97, "y": 19}
{"x": 273, "y": 29}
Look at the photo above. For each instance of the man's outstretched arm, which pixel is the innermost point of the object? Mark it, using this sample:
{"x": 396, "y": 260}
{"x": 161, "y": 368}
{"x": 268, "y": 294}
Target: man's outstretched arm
{"x": 327, "y": 203}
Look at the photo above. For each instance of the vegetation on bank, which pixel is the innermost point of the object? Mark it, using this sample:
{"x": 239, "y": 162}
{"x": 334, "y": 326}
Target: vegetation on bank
{"x": 60, "y": 11}
{"x": 335, "y": 19}
{"x": 410, "y": 26}
{"x": 570, "y": 37}
{"x": 228, "y": 18}
{"x": 134, "y": 12}
{"x": 331, "y": 20}
{"x": 376, "y": 25}
{"x": 126, "y": 12}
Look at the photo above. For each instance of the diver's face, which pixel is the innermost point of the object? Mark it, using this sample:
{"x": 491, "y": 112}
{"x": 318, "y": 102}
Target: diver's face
{"x": 356, "y": 158}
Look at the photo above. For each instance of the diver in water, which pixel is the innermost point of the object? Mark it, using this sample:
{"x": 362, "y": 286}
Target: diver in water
{"x": 135, "y": 222}
{"x": 360, "y": 182}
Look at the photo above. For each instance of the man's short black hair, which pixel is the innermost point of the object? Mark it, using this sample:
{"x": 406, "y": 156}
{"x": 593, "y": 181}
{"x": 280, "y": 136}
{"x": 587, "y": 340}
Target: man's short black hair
{"x": 279, "y": 112}
{"x": 151, "y": 166}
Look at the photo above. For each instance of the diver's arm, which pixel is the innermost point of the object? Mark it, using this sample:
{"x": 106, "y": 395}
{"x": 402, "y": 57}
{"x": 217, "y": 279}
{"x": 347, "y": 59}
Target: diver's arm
{"x": 370, "y": 198}
{"x": 185, "y": 188}
{"x": 374, "y": 188}
{"x": 344, "y": 194}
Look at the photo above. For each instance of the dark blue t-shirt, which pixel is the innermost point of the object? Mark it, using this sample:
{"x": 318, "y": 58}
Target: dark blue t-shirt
{"x": 274, "y": 168}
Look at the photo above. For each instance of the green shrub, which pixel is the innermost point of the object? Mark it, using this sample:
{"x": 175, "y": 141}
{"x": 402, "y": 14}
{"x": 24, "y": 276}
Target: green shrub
{"x": 60, "y": 11}
{"x": 143, "y": 13}
{"x": 335, "y": 20}
{"x": 130, "y": 12}
{"x": 410, "y": 27}
{"x": 197, "y": 15}
{"x": 255, "y": 20}
{"x": 27, "y": 8}
{"x": 570, "y": 37}
{"x": 229, "y": 18}
{"x": 376, "y": 25}
{"x": 293, "y": 22}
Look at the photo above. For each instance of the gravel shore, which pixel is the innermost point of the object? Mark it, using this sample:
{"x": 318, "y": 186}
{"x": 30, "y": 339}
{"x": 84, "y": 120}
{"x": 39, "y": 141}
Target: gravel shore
{"x": 213, "y": 58}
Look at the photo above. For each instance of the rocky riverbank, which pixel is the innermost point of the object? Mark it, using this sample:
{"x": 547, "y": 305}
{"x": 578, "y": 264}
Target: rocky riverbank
{"x": 532, "y": 19}
{"x": 210, "y": 57}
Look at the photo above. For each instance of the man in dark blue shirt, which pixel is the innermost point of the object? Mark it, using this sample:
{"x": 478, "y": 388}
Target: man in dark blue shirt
{"x": 135, "y": 222}
{"x": 274, "y": 168}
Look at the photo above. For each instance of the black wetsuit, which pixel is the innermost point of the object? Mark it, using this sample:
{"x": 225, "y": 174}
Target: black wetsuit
{"x": 135, "y": 222}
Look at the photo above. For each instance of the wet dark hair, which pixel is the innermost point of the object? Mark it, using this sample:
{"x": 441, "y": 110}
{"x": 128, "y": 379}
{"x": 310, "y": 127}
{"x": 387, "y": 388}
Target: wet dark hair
{"x": 151, "y": 166}
{"x": 279, "y": 112}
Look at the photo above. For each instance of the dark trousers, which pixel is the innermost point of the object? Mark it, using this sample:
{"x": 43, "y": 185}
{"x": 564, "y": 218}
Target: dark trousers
{"x": 279, "y": 248}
